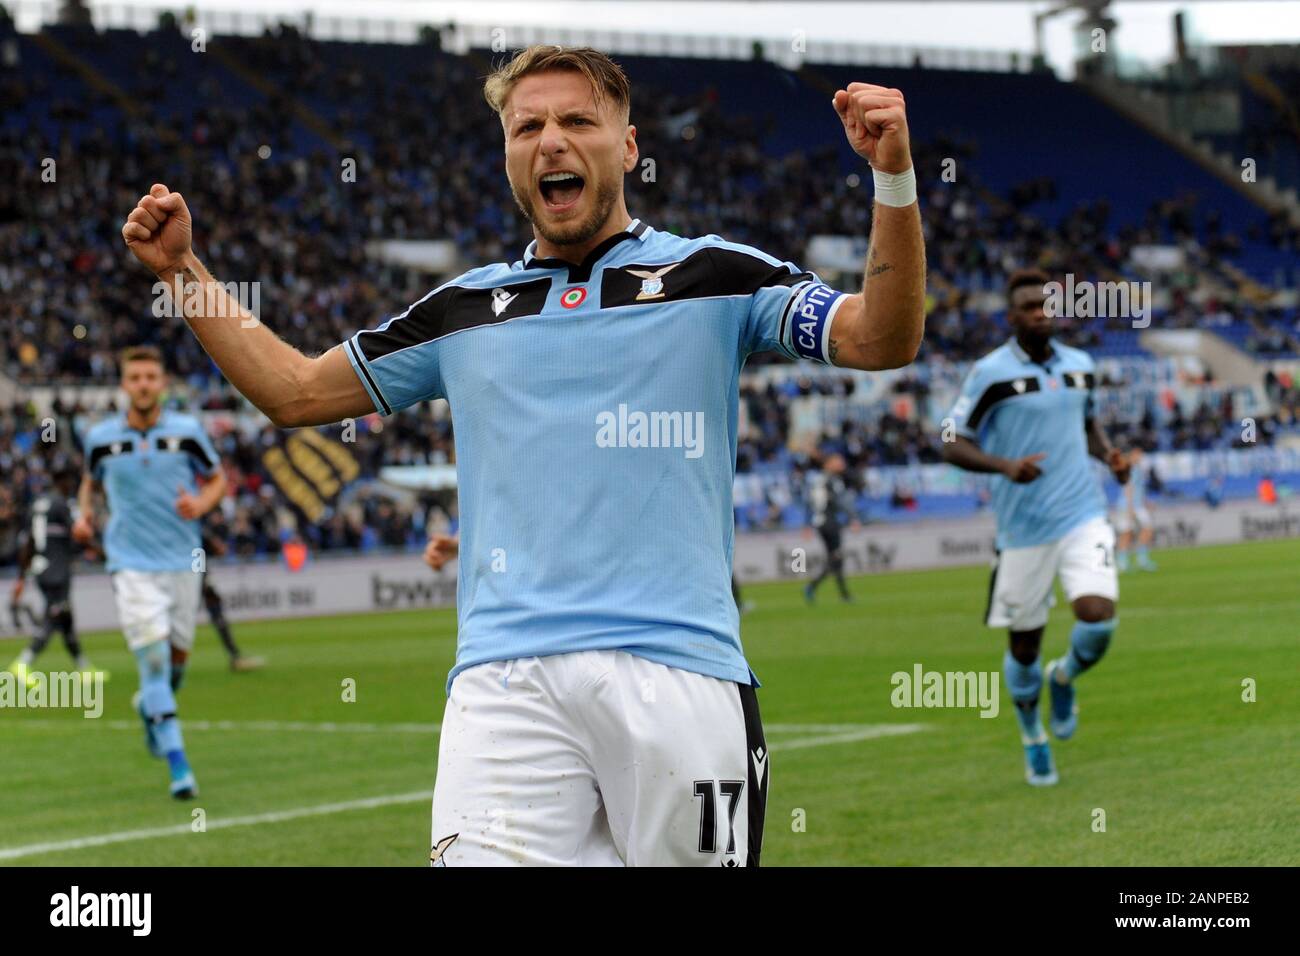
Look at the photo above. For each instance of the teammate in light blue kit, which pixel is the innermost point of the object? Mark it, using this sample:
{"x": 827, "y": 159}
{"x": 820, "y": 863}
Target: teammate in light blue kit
{"x": 601, "y": 710}
{"x": 1025, "y": 415}
{"x": 1133, "y": 515}
{"x": 160, "y": 475}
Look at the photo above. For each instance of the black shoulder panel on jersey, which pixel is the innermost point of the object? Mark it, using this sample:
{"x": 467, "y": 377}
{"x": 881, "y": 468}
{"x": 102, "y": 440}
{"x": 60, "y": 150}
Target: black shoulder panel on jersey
{"x": 96, "y": 456}
{"x": 1085, "y": 380}
{"x": 454, "y": 309}
{"x": 188, "y": 446}
{"x": 100, "y": 452}
{"x": 741, "y": 273}
{"x": 998, "y": 392}
{"x": 705, "y": 273}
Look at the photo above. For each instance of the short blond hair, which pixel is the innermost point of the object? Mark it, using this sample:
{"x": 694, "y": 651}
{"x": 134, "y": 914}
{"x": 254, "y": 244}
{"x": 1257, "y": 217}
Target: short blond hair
{"x": 140, "y": 353}
{"x": 606, "y": 77}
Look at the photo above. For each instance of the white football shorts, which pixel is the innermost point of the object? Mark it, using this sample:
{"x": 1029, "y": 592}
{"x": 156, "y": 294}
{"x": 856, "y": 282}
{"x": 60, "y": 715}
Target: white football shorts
{"x": 157, "y": 606}
{"x": 598, "y": 758}
{"x": 1020, "y": 593}
{"x": 1126, "y": 520}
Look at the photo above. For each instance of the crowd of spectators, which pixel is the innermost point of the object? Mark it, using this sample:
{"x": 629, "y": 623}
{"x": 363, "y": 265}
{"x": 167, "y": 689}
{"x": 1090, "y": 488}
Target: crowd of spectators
{"x": 885, "y": 438}
{"x": 255, "y": 518}
{"x": 429, "y": 167}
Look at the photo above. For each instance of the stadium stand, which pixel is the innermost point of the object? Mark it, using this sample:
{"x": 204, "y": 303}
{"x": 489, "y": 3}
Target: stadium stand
{"x": 260, "y": 137}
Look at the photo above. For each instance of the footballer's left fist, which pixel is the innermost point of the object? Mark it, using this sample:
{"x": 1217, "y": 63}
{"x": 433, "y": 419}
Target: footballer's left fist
{"x": 875, "y": 122}
{"x": 441, "y": 549}
{"x": 187, "y": 506}
{"x": 1120, "y": 464}
{"x": 158, "y": 230}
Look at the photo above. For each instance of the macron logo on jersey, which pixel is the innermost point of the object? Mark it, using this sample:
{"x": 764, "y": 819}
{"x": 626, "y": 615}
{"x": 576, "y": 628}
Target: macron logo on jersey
{"x": 813, "y": 310}
{"x": 501, "y": 300}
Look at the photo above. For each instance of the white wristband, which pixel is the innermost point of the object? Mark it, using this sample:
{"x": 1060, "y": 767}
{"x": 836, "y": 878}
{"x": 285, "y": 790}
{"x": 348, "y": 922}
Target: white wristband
{"x": 895, "y": 189}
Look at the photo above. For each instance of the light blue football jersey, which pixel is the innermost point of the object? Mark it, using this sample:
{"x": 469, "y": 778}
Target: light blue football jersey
{"x": 595, "y": 410}
{"x": 1140, "y": 478}
{"x": 142, "y": 474}
{"x": 1013, "y": 407}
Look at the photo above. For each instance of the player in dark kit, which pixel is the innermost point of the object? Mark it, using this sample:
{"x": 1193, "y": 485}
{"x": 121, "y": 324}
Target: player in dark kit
{"x": 46, "y": 552}
{"x": 831, "y": 512}
{"x": 216, "y": 608}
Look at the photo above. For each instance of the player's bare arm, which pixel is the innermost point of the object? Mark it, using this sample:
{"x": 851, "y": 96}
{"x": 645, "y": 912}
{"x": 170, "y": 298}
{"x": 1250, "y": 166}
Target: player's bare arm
{"x": 25, "y": 552}
{"x": 83, "y": 529}
{"x": 290, "y": 388}
{"x": 881, "y": 327}
{"x": 968, "y": 456}
{"x": 1099, "y": 447}
{"x": 211, "y": 490}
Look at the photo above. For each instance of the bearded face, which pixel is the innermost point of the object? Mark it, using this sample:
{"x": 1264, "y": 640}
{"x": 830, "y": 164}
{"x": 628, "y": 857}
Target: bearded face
{"x": 566, "y": 155}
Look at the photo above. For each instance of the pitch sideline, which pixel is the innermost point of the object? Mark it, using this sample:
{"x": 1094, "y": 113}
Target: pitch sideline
{"x": 828, "y": 734}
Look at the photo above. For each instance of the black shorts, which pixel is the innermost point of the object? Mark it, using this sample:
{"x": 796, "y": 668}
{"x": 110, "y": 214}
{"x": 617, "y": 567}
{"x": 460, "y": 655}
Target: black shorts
{"x": 830, "y": 535}
{"x": 58, "y": 596}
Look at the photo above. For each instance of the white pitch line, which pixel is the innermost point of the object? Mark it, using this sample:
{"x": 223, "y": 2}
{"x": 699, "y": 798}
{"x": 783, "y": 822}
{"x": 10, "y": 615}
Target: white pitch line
{"x": 817, "y": 728}
{"x": 866, "y": 732}
{"x": 278, "y": 816}
{"x": 333, "y": 727}
{"x": 845, "y": 733}
{"x": 324, "y": 727}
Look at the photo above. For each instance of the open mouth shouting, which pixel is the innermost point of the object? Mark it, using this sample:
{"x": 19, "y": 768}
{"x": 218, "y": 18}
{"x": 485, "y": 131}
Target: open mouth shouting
{"x": 560, "y": 190}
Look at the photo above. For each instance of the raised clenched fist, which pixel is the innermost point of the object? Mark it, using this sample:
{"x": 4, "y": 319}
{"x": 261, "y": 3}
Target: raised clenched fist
{"x": 875, "y": 122}
{"x": 159, "y": 229}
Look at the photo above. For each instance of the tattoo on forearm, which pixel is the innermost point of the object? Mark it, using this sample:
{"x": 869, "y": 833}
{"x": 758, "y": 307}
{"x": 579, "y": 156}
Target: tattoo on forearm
{"x": 190, "y": 306}
{"x": 833, "y": 349}
{"x": 875, "y": 270}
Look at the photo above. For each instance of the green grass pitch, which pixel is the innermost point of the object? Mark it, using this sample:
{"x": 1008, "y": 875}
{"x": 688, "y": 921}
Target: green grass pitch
{"x": 1186, "y": 772}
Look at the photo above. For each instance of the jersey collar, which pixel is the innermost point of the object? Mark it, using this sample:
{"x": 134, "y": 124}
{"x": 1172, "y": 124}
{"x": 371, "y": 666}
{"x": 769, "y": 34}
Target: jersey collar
{"x": 126, "y": 423}
{"x": 1023, "y": 356}
{"x": 581, "y": 272}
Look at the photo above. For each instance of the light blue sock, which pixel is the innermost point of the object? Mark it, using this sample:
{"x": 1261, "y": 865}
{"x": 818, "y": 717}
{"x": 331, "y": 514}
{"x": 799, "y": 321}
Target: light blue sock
{"x": 156, "y": 696}
{"x": 1024, "y": 683}
{"x": 169, "y": 736}
{"x": 1088, "y": 642}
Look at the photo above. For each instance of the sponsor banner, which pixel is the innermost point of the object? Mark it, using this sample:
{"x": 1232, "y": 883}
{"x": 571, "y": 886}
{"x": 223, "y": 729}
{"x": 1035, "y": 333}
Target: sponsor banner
{"x": 324, "y": 586}
{"x": 939, "y": 544}
{"x": 357, "y": 585}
